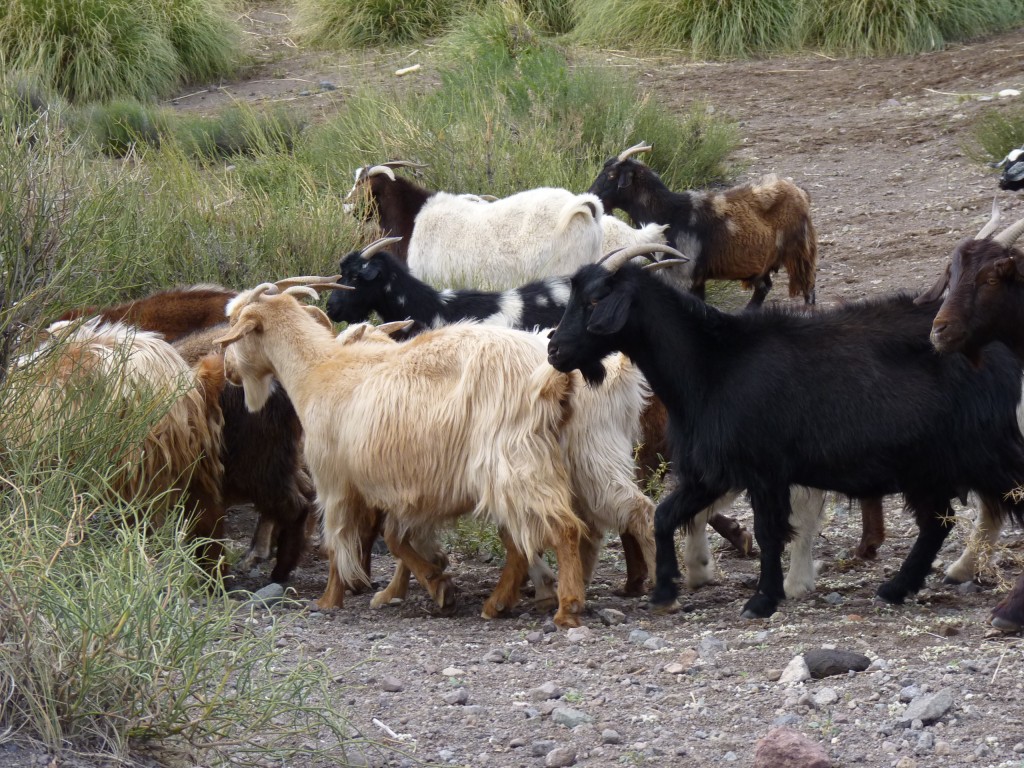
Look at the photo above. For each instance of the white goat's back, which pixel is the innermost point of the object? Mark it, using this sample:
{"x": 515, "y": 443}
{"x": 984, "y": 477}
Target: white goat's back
{"x": 529, "y": 235}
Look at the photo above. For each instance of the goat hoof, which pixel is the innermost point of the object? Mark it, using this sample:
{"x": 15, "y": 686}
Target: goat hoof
{"x": 631, "y": 590}
{"x": 760, "y": 606}
{"x": 1005, "y": 626}
{"x": 566, "y": 620}
{"x": 892, "y": 593}
{"x": 866, "y": 552}
{"x": 545, "y": 604}
{"x": 950, "y": 579}
{"x": 382, "y": 598}
{"x": 666, "y": 609}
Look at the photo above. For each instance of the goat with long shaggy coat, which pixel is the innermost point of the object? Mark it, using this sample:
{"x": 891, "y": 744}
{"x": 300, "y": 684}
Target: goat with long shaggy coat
{"x": 985, "y": 303}
{"x": 179, "y": 456}
{"x": 460, "y": 420}
{"x": 746, "y": 233}
{"x": 852, "y": 400}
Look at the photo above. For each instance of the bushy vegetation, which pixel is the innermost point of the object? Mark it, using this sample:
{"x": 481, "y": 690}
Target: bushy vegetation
{"x": 334, "y": 23}
{"x": 112, "y": 639}
{"x": 91, "y": 50}
{"x": 996, "y": 132}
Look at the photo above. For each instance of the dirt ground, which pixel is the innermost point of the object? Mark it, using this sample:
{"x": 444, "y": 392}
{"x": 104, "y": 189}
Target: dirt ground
{"x": 880, "y": 144}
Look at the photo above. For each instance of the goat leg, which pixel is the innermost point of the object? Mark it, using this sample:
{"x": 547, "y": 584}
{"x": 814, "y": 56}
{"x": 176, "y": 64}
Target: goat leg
{"x": 1008, "y": 615}
{"x": 872, "y": 528}
{"x": 738, "y": 537}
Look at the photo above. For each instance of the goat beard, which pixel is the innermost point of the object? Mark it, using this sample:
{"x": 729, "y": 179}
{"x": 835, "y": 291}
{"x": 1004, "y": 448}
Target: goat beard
{"x": 593, "y": 373}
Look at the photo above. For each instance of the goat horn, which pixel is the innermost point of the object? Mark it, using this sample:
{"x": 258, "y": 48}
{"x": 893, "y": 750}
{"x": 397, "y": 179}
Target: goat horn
{"x": 643, "y": 146}
{"x": 487, "y": 198}
{"x": 402, "y": 164}
{"x": 377, "y": 245}
{"x": 616, "y": 259}
{"x": 993, "y": 222}
{"x": 665, "y": 263}
{"x": 395, "y": 326}
{"x": 289, "y": 282}
{"x": 308, "y": 291}
{"x": 1009, "y": 236}
{"x": 377, "y": 170}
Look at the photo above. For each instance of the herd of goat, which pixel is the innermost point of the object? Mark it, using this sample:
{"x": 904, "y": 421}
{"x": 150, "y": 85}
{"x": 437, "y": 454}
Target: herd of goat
{"x": 465, "y": 401}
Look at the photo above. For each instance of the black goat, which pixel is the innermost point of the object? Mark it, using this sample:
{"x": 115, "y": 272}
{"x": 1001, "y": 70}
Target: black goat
{"x": 743, "y": 233}
{"x": 853, "y": 400}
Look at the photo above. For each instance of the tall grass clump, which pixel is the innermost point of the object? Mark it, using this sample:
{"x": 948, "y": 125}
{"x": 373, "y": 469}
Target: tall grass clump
{"x": 112, "y": 640}
{"x": 366, "y": 23}
{"x": 93, "y": 50}
{"x": 891, "y": 27}
{"x": 705, "y": 28}
{"x": 509, "y": 118}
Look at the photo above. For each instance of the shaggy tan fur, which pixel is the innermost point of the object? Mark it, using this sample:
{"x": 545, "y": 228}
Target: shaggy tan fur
{"x": 460, "y": 420}
{"x": 181, "y": 452}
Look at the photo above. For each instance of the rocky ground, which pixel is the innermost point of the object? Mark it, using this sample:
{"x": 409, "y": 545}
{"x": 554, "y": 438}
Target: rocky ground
{"x": 880, "y": 144}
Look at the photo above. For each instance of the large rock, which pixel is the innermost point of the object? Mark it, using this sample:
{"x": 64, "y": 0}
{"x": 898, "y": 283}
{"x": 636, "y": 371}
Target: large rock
{"x": 786, "y": 748}
{"x": 825, "y": 663}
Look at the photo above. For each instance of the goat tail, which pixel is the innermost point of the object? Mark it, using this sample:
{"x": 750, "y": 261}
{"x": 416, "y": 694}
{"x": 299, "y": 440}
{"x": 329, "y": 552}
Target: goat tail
{"x": 800, "y": 258}
{"x": 586, "y": 207}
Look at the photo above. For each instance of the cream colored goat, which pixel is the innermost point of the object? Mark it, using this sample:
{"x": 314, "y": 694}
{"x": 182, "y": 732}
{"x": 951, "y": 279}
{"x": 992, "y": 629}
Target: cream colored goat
{"x": 464, "y": 419}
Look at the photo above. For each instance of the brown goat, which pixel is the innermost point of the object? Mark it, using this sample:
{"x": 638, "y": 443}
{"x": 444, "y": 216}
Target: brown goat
{"x": 746, "y": 233}
{"x": 262, "y": 453}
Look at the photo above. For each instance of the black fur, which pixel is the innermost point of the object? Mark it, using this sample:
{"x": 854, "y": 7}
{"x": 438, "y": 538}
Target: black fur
{"x": 384, "y": 285}
{"x": 853, "y": 400}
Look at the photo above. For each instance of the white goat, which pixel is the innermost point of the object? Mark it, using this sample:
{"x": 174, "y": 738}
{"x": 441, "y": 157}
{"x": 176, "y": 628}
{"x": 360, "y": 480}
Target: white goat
{"x": 464, "y": 419}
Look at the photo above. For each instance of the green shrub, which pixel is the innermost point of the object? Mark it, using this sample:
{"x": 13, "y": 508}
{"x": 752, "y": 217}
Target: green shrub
{"x": 996, "y": 132}
{"x": 118, "y": 126}
{"x": 365, "y": 23}
{"x": 92, "y": 50}
{"x": 710, "y": 28}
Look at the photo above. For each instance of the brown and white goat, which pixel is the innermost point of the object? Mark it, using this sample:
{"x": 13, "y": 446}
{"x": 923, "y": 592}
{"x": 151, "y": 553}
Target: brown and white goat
{"x": 261, "y": 453}
{"x": 746, "y": 233}
{"x": 178, "y": 457}
{"x": 460, "y": 420}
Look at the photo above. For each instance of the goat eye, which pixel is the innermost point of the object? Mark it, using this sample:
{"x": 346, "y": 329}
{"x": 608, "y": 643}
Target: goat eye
{"x": 594, "y": 302}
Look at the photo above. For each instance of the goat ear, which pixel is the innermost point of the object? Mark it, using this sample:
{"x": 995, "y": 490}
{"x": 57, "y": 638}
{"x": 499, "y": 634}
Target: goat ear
{"x": 1007, "y": 268}
{"x": 609, "y": 314}
{"x": 370, "y": 270}
{"x": 318, "y": 314}
{"x": 935, "y": 292}
{"x": 240, "y": 330}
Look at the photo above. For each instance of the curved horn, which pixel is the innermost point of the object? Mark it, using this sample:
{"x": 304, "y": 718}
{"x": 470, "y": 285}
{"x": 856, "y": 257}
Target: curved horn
{"x": 395, "y": 326}
{"x": 616, "y": 259}
{"x": 377, "y": 245}
{"x": 403, "y": 164}
{"x": 378, "y": 170}
{"x": 665, "y": 263}
{"x": 307, "y": 280}
{"x": 302, "y": 290}
{"x": 641, "y": 147}
{"x": 1009, "y": 236}
{"x": 993, "y": 222}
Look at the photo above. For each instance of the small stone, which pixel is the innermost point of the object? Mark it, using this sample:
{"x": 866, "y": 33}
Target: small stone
{"x": 825, "y": 662}
{"x": 784, "y": 747}
{"x": 474, "y": 709}
{"x": 674, "y": 668}
{"x": 445, "y": 755}
{"x": 834, "y": 598}
{"x": 917, "y": 724}
{"x": 927, "y": 708}
{"x": 517, "y": 742}
{"x": 560, "y": 757}
{"x": 518, "y": 656}
{"x": 610, "y": 617}
{"x": 826, "y": 696}
{"x": 392, "y": 685}
{"x": 327, "y": 85}
{"x": 534, "y": 637}
{"x": 495, "y": 656}
{"x": 452, "y": 672}
{"x": 267, "y": 596}
{"x": 1018, "y": 747}
{"x": 943, "y": 748}
{"x": 968, "y": 588}
{"x": 796, "y": 671}
{"x": 544, "y": 691}
{"x": 457, "y": 697}
{"x": 906, "y": 762}
{"x": 909, "y": 693}
{"x": 548, "y": 627}
{"x": 638, "y": 636}
{"x": 570, "y": 718}
{"x": 729, "y": 757}
{"x": 787, "y": 719}
{"x": 709, "y": 647}
{"x": 925, "y": 742}
{"x": 542, "y": 747}
{"x": 610, "y": 736}
{"x": 579, "y": 635}
{"x": 654, "y": 643}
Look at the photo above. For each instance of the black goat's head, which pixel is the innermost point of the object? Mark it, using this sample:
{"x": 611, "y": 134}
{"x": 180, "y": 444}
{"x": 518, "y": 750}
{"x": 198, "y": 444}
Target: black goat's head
{"x": 614, "y": 184}
{"x": 601, "y": 299}
{"x": 368, "y": 273}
